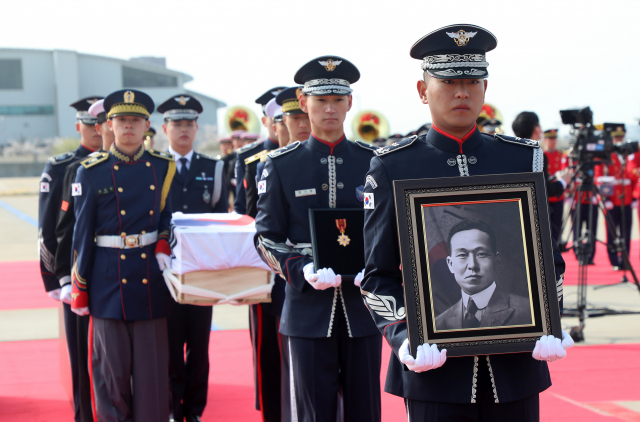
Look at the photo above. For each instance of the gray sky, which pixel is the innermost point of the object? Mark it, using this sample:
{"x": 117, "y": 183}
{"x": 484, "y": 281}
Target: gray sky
{"x": 551, "y": 55}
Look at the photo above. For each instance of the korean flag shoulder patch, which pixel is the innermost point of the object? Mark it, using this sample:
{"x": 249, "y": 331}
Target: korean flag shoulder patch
{"x": 262, "y": 187}
{"x": 76, "y": 189}
{"x": 368, "y": 201}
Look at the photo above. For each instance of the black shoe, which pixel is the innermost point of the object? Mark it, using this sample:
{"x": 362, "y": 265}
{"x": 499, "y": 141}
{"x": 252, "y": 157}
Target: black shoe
{"x": 591, "y": 262}
{"x": 194, "y": 418}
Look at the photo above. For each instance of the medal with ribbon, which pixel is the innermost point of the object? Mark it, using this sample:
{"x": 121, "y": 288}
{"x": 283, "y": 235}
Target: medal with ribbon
{"x": 343, "y": 239}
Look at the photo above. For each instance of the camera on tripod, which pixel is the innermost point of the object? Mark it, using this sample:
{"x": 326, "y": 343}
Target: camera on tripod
{"x": 589, "y": 145}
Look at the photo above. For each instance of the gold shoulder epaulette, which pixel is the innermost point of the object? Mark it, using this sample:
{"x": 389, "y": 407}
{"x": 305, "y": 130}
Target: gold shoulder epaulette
{"x": 256, "y": 157}
{"x": 96, "y": 159}
{"x": 161, "y": 154}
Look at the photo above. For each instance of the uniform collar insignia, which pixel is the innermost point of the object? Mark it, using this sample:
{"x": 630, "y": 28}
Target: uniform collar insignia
{"x": 449, "y": 144}
{"x": 124, "y": 157}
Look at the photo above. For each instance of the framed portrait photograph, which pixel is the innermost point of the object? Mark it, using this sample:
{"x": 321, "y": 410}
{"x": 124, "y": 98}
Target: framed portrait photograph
{"x": 477, "y": 263}
{"x": 337, "y": 239}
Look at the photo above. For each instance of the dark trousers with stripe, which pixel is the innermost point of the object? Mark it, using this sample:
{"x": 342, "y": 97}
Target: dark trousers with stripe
{"x": 190, "y": 326}
{"x": 556, "y": 210}
{"x": 484, "y": 410}
{"x": 270, "y": 370}
{"x": 130, "y": 369}
{"x": 324, "y": 368}
{"x": 615, "y": 217}
{"x": 77, "y": 331}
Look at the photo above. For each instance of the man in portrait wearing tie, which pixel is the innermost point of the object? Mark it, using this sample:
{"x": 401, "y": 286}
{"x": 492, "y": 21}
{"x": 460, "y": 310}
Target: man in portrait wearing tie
{"x": 473, "y": 260}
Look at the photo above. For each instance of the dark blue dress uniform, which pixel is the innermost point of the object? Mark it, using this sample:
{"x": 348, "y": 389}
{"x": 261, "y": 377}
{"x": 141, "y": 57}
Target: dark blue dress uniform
{"x": 315, "y": 174}
{"x": 240, "y": 204}
{"x": 512, "y": 376}
{"x": 51, "y": 207}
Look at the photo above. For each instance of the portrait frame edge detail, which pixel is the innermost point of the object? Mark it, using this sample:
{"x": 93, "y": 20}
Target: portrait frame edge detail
{"x": 531, "y": 189}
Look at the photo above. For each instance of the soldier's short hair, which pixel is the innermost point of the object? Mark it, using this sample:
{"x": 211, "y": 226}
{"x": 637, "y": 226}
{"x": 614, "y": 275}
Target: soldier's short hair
{"x": 524, "y": 124}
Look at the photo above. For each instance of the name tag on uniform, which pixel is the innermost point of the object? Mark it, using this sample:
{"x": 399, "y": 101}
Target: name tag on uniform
{"x": 76, "y": 189}
{"x": 262, "y": 186}
{"x": 305, "y": 192}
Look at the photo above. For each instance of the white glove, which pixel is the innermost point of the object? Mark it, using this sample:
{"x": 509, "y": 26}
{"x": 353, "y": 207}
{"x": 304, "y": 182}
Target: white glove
{"x": 55, "y": 294}
{"x": 81, "y": 311}
{"x": 428, "y": 357}
{"x": 634, "y": 204}
{"x": 65, "y": 294}
{"x": 164, "y": 261}
{"x": 608, "y": 205}
{"x": 551, "y": 348}
{"x": 358, "y": 280}
{"x": 323, "y": 279}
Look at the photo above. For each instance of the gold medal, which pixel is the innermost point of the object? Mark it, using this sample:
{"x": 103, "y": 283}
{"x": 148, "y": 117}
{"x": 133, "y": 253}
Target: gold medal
{"x": 343, "y": 239}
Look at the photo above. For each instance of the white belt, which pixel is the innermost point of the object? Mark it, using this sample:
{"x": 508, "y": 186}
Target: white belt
{"x": 127, "y": 242}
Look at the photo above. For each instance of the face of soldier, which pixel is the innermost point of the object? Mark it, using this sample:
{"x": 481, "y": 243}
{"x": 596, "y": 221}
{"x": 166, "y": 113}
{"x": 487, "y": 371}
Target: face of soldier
{"x": 283, "y": 133}
{"x": 237, "y": 143}
{"x": 89, "y": 136}
{"x": 550, "y": 144}
{"x": 268, "y": 123}
{"x": 181, "y": 134}
{"x": 108, "y": 137}
{"x": 129, "y": 132}
{"x": 455, "y": 104}
{"x": 226, "y": 148}
{"x": 472, "y": 261}
{"x": 327, "y": 113}
{"x": 298, "y": 126}
{"x": 618, "y": 139}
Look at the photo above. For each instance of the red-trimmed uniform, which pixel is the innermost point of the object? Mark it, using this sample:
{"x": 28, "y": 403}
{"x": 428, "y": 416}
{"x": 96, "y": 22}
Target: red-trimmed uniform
{"x": 618, "y": 205}
{"x": 557, "y": 161}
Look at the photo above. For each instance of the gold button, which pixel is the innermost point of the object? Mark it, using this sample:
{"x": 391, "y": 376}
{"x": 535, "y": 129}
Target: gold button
{"x": 151, "y": 212}
{"x": 123, "y": 212}
{"x": 143, "y": 231}
{"x": 148, "y": 164}
{"x": 124, "y": 281}
{"x": 116, "y": 167}
{"x": 145, "y": 281}
{"x": 144, "y": 256}
{"x": 123, "y": 234}
{"x": 123, "y": 256}
{"x": 120, "y": 189}
{"x": 152, "y": 187}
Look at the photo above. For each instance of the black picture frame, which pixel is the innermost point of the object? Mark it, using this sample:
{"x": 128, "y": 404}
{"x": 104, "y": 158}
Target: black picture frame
{"x": 514, "y": 206}
{"x": 348, "y": 260}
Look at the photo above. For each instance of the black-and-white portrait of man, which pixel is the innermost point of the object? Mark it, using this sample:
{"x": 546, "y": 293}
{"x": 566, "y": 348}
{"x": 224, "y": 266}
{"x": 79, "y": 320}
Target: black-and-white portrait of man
{"x": 473, "y": 259}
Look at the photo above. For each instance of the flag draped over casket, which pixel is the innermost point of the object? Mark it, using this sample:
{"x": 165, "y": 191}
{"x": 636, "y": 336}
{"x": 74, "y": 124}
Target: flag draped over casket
{"x": 215, "y": 261}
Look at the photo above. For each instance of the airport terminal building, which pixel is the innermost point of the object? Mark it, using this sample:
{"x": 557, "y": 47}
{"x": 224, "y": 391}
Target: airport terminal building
{"x": 37, "y": 86}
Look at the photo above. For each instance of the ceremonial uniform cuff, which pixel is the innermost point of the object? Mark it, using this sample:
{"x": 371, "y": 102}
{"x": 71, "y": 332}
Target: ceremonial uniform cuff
{"x": 79, "y": 299}
{"x": 163, "y": 247}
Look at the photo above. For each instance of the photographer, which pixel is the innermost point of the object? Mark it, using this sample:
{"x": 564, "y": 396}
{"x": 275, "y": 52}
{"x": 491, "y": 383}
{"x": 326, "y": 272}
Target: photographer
{"x": 618, "y": 180}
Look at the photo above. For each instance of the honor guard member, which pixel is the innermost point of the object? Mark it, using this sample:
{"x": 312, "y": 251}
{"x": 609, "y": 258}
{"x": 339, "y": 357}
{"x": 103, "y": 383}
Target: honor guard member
{"x": 237, "y": 143}
{"x": 557, "y": 162}
{"x": 123, "y": 216}
{"x": 296, "y": 120}
{"x": 474, "y": 388}
{"x": 280, "y": 128}
{"x": 490, "y": 126}
{"x": 333, "y": 343}
{"x": 51, "y": 186}
{"x": 271, "y": 365}
{"x": 619, "y": 172}
{"x": 251, "y": 147}
{"x": 198, "y": 187}
{"x": 228, "y": 158}
{"x": 63, "y": 258}
{"x": 148, "y": 138}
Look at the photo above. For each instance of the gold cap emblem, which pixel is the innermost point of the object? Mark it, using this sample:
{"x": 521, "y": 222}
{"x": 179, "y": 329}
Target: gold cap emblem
{"x": 461, "y": 37}
{"x": 182, "y": 100}
{"x": 92, "y": 101}
{"x": 330, "y": 65}
{"x": 129, "y": 96}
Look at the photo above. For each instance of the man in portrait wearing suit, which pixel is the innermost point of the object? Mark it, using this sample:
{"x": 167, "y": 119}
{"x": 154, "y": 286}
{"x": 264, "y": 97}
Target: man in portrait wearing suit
{"x": 473, "y": 260}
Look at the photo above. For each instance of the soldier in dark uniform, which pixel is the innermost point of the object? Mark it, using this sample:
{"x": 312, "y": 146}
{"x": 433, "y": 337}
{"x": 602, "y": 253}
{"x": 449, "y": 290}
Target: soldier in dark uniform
{"x": 50, "y": 202}
{"x": 557, "y": 162}
{"x": 148, "y": 138}
{"x": 236, "y": 143}
{"x": 296, "y": 120}
{"x": 228, "y": 158}
{"x": 198, "y": 187}
{"x": 270, "y": 353}
{"x": 333, "y": 343}
{"x": 618, "y": 205}
{"x": 496, "y": 388}
{"x": 64, "y": 234}
{"x": 253, "y": 146}
{"x": 123, "y": 216}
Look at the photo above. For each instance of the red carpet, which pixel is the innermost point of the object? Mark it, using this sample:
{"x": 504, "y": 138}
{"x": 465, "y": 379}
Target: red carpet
{"x": 601, "y": 272}
{"x": 586, "y": 384}
{"x": 22, "y": 286}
